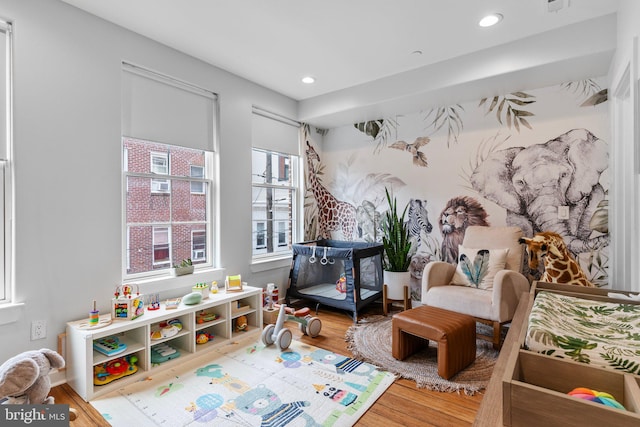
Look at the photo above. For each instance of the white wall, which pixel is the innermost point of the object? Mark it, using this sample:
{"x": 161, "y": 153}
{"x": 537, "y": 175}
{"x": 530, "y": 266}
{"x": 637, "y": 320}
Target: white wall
{"x": 624, "y": 216}
{"x": 68, "y": 161}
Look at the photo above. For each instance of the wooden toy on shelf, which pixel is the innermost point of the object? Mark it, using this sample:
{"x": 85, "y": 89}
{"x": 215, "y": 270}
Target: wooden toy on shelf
{"x": 125, "y": 305}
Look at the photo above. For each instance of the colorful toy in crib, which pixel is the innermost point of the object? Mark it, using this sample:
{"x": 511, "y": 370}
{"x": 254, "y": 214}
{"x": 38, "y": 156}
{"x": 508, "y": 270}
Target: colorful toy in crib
{"x": 595, "y": 396}
{"x": 114, "y": 369}
{"x": 203, "y": 337}
{"x": 166, "y": 329}
{"x": 341, "y": 284}
{"x": 204, "y": 316}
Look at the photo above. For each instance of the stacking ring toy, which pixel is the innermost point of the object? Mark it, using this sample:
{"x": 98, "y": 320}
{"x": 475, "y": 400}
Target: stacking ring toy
{"x": 595, "y": 396}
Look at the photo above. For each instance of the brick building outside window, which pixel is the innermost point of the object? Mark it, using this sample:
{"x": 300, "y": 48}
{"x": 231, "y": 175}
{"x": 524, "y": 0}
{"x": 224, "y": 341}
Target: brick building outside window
{"x": 167, "y": 218}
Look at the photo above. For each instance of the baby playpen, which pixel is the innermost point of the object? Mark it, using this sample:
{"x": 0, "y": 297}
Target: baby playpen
{"x": 339, "y": 274}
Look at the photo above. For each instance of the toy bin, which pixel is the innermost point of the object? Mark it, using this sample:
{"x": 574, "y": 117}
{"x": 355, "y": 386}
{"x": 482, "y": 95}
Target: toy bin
{"x": 339, "y": 274}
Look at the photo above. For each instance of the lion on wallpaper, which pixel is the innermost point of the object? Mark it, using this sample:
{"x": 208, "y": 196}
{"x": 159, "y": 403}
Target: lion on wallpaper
{"x": 460, "y": 212}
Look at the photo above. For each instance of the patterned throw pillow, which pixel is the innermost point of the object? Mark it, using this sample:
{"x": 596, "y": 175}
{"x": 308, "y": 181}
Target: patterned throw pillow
{"x": 478, "y": 267}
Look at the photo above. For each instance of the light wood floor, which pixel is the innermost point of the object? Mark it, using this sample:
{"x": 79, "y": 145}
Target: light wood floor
{"x": 401, "y": 405}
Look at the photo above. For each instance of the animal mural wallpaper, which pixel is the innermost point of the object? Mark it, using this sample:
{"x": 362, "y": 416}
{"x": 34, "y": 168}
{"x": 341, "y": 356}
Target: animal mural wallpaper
{"x": 537, "y": 159}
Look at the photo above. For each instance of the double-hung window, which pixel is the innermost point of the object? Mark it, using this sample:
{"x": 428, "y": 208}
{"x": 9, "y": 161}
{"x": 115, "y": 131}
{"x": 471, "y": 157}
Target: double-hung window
{"x": 160, "y": 166}
{"x": 273, "y": 203}
{"x": 168, "y": 160}
{"x": 275, "y": 185}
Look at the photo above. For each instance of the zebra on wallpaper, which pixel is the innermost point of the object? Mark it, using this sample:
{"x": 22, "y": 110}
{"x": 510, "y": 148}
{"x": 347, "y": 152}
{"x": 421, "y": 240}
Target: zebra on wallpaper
{"x": 418, "y": 220}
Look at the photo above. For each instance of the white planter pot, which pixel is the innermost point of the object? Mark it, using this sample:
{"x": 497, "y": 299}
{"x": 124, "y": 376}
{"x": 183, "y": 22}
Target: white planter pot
{"x": 396, "y": 281}
{"x": 181, "y": 271}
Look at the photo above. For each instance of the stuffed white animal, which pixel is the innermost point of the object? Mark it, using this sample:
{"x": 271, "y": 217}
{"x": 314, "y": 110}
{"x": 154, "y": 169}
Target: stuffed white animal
{"x": 25, "y": 378}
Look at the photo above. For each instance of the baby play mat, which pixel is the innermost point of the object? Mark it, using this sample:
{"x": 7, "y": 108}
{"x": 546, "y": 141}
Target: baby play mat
{"x": 248, "y": 384}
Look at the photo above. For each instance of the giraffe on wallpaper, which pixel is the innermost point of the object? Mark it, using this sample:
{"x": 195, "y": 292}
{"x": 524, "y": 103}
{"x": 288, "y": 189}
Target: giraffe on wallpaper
{"x": 333, "y": 214}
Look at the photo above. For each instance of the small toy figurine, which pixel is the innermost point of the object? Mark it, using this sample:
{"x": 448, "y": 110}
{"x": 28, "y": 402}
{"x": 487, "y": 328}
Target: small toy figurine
{"x": 341, "y": 284}
{"x": 204, "y": 337}
{"x": 241, "y": 323}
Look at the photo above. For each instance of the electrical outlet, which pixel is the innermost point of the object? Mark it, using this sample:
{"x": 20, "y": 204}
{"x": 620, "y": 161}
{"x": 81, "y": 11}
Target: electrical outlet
{"x": 563, "y": 212}
{"x": 38, "y": 329}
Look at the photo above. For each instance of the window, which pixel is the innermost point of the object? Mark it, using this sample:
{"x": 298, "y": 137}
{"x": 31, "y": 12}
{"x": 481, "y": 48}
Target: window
{"x": 161, "y": 245}
{"x": 198, "y": 245}
{"x": 282, "y": 233}
{"x": 197, "y": 187}
{"x": 160, "y": 166}
{"x": 168, "y": 142}
{"x": 273, "y": 203}
{"x": 260, "y": 237}
{"x": 165, "y": 228}
{"x": 6, "y": 107}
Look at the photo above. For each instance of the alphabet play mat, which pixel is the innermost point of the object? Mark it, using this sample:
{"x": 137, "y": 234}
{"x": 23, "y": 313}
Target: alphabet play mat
{"x": 248, "y": 384}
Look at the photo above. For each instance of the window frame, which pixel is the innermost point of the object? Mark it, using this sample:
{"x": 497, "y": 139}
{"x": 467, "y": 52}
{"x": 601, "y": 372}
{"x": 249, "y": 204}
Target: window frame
{"x": 154, "y": 230}
{"x": 292, "y": 169}
{"x": 157, "y": 184}
{"x": 6, "y": 175}
{"x": 209, "y": 222}
{"x": 194, "y": 258}
{"x": 179, "y": 136}
{"x": 200, "y": 183}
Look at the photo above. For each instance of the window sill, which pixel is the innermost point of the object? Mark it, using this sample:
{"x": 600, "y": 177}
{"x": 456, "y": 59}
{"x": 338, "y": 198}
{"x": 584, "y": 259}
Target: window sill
{"x": 10, "y": 313}
{"x": 170, "y": 283}
{"x": 258, "y": 265}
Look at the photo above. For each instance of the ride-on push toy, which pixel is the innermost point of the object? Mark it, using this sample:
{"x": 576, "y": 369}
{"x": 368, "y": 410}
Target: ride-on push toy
{"x": 282, "y": 336}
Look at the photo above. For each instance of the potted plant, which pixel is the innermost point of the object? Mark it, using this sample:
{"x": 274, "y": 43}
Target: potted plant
{"x": 185, "y": 267}
{"x": 397, "y": 252}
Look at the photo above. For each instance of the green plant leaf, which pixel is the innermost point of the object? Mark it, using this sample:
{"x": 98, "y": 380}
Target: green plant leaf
{"x": 395, "y": 239}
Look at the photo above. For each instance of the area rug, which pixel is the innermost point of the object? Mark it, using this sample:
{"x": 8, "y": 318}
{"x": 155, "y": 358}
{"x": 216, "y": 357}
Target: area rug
{"x": 248, "y": 384}
{"x": 370, "y": 341}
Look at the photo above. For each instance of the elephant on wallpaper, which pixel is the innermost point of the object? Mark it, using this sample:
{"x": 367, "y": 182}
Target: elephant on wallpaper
{"x": 530, "y": 183}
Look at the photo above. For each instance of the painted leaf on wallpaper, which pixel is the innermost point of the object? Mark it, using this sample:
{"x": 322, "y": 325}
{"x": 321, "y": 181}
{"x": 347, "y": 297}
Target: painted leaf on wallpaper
{"x": 450, "y": 116}
{"x": 596, "y": 98}
{"x": 369, "y": 222}
{"x": 419, "y": 158}
{"x": 600, "y": 218}
{"x": 475, "y": 271}
{"x": 588, "y": 89}
{"x": 380, "y": 130}
{"x": 507, "y": 106}
{"x": 371, "y": 128}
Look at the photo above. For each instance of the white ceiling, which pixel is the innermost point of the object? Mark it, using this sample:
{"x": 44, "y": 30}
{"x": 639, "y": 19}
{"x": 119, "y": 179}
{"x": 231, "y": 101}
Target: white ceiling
{"x": 361, "y": 51}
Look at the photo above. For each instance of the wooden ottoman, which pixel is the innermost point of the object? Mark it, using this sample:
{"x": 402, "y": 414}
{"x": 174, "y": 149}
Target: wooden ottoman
{"x": 455, "y": 334}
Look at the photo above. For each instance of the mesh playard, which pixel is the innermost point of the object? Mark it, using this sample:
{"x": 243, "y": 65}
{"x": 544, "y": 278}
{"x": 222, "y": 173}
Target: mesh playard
{"x": 340, "y": 274}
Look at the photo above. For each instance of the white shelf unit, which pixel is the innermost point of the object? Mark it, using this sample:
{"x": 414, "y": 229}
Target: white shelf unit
{"x": 81, "y": 358}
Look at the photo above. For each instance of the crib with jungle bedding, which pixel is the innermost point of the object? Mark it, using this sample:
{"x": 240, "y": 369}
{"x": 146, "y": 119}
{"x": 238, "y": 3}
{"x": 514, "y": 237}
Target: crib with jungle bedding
{"x": 339, "y": 274}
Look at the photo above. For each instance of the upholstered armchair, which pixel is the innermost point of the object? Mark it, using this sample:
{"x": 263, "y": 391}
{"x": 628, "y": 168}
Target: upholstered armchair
{"x": 492, "y": 301}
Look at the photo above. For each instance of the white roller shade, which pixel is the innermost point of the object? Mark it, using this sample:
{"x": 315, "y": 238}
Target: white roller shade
{"x": 161, "y": 109}
{"x": 274, "y": 133}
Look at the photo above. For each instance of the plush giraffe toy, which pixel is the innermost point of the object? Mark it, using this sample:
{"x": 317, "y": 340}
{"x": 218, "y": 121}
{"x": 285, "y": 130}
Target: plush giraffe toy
{"x": 559, "y": 265}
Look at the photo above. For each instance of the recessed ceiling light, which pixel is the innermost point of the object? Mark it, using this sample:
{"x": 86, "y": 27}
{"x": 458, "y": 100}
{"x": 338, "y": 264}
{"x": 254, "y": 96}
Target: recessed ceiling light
{"x": 308, "y": 80}
{"x": 490, "y": 20}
